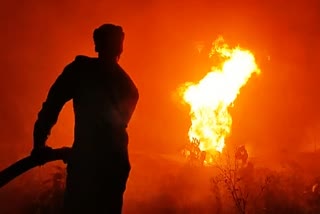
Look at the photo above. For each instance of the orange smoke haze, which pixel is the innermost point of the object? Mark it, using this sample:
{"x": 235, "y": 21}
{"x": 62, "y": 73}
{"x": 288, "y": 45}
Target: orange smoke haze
{"x": 161, "y": 52}
{"x": 166, "y": 45}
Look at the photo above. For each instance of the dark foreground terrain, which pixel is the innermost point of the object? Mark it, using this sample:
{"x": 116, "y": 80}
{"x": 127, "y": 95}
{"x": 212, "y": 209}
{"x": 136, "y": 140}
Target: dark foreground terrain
{"x": 165, "y": 183}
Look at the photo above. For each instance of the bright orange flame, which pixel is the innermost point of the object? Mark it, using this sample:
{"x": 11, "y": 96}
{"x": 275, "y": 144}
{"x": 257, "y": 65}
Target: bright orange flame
{"x": 210, "y": 98}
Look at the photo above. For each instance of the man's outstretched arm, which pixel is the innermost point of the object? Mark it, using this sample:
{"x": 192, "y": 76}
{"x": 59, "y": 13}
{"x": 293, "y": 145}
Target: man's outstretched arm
{"x": 60, "y": 92}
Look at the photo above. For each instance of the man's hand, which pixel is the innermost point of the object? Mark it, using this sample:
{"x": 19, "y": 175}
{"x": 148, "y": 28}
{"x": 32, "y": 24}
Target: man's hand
{"x": 40, "y": 153}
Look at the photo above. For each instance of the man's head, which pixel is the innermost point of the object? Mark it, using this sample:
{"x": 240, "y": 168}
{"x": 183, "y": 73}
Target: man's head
{"x": 108, "y": 40}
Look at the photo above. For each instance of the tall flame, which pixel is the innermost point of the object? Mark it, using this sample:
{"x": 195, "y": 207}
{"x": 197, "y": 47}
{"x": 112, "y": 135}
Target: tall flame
{"x": 210, "y": 98}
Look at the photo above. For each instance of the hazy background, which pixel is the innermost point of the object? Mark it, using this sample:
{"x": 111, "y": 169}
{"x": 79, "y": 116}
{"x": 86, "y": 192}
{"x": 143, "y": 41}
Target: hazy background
{"x": 276, "y": 111}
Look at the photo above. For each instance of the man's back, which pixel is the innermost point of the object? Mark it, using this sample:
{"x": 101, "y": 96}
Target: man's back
{"x": 104, "y": 98}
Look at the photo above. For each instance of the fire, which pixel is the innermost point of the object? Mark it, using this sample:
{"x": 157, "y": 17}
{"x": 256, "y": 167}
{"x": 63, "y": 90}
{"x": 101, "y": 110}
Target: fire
{"x": 210, "y": 99}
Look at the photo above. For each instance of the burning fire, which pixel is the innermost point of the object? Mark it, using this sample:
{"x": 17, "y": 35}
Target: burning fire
{"x": 210, "y": 99}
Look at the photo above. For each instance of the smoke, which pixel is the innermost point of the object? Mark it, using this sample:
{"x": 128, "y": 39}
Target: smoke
{"x": 272, "y": 112}
{"x": 40, "y": 38}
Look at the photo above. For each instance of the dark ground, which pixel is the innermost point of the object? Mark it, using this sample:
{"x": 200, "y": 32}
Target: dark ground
{"x": 164, "y": 183}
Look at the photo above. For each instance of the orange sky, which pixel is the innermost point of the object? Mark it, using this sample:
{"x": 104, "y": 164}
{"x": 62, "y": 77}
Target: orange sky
{"x": 274, "y": 111}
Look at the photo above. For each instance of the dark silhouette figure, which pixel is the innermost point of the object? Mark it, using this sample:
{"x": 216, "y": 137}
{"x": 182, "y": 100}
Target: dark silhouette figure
{"x": 241, "y": 155}
{"x": 104, "y": 99}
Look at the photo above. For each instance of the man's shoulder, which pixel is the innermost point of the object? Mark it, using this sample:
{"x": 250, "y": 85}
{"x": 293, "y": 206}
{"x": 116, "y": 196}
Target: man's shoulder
{"x": 120, "y": 69}
{"x": 81, "y": 62}
{"x": 123, "y": 72}
{"x": 84, "y": 59}
{"x": 127, "y": 79}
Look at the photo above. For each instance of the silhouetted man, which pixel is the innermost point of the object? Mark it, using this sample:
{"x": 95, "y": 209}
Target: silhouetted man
{"x": 242, "y": 155}
{"x": 104, "y": 99}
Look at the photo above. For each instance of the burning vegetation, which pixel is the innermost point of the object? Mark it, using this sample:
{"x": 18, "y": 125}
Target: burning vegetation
{"x": 211, "y": 98}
